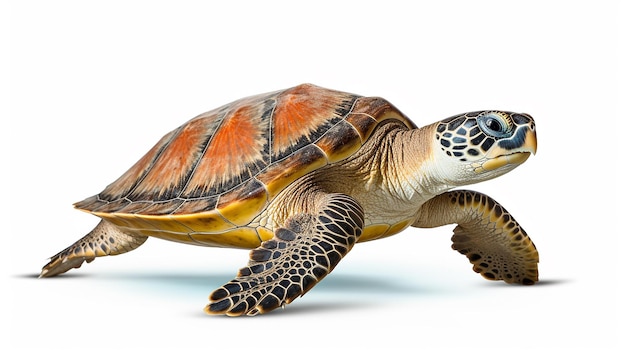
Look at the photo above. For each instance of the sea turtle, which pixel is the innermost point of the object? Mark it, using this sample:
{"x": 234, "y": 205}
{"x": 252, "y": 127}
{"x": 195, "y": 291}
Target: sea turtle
{"x": 301, "y": 175}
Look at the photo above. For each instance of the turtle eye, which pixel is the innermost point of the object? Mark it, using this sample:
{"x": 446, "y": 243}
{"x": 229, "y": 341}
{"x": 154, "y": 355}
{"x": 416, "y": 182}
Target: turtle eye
{"x": 493, "y": 125}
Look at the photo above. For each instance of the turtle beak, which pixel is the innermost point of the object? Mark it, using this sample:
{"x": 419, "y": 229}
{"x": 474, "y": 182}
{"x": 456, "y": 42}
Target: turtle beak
{"x": 501, "y": 155}
{"x": 530, "y": 142}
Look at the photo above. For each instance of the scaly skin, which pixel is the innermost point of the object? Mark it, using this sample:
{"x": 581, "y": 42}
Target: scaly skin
{"x": 104, "y": 240}
{"x": 303, "y": 252}
{"x": 487, "y": 234}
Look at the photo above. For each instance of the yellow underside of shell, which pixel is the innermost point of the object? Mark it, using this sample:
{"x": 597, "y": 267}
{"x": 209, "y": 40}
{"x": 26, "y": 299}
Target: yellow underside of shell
{"x": 206, "y": 229}
{"x": 211, "y": 229}
{"x": 377, "y": 231}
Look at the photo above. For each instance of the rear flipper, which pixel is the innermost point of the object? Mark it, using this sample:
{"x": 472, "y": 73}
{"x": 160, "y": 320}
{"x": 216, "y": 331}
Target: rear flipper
{"x": 487, "y": 234}
{"x": 105, "y": 239}
{"x": 291, "y": 263}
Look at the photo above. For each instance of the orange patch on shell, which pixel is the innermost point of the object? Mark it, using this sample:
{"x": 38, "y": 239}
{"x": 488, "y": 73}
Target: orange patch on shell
{"x": 169, "y": 171}
{"x": 234, "y": 148}
{"x": 300, "y": 111}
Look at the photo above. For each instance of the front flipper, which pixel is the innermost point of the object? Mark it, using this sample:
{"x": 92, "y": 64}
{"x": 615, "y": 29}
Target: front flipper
{"x": 290, "y": 264}
{"x": 487, "y": 234}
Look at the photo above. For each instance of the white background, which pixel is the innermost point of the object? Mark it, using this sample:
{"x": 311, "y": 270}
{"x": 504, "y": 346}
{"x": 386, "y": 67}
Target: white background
{"x": 93, "y": 87}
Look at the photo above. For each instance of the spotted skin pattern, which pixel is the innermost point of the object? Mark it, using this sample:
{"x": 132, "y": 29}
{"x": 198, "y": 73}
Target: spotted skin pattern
{"x": 462, "y": 136}
{"x": 487, "y": 234}
{"x": 298, "y": 257}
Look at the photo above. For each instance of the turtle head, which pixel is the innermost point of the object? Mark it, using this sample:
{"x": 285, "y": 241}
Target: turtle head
{"x": 478, "y": 146}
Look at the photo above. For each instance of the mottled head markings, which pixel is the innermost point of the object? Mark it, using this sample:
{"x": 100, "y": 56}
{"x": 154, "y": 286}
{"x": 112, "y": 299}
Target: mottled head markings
{"x": 471, "y": 135}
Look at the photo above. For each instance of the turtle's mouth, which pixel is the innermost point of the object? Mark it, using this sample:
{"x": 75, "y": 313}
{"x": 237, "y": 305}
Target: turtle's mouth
{"x": 516, "y": 158}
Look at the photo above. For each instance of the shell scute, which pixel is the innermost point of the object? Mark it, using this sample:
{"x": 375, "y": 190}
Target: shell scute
{"x": 305, "y": 113}
{"x": 279, "y": 175}
{"x": 236, "y": 152}
{"x": 152, "y": 208}
{"x": 340, "y": 142}
{"x": 192, "y": 206}
{"x": 161, "y": 223}
{"x": 369, "y": 111}
{"x": 160, "y": 208}
{"x": 109, "y": 207}
{"x": 363, "y": 124}
{"x": 171, "y": 171}
{"x": 255, "y": 196}
{"x": 90, "y": 204}
{"x": 209, "y": 221}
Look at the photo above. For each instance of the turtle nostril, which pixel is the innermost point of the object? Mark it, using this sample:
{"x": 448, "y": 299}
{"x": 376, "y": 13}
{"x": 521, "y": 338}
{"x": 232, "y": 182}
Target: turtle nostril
{"x": 522, "y": 118}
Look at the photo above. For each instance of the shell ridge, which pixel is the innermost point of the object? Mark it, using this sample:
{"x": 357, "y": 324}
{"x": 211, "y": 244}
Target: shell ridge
{"x": 149, "y": 209}
{"x": 173, "y": 190}
{"x": 205, "y": 146}
{"x": 152, "y": 163}
{"x": 319, "y": 132}
{"x": 242, "y": 161}
{"x": 303, "y": 114}
{"x": 188, "y": 200}
{"x": 355, "y": 100}
{"x": 270, "y": 129}
{"x": 328, "y": 161}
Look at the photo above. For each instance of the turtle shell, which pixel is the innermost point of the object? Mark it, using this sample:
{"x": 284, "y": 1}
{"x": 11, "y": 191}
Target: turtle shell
{"x": 204, "y": 182}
